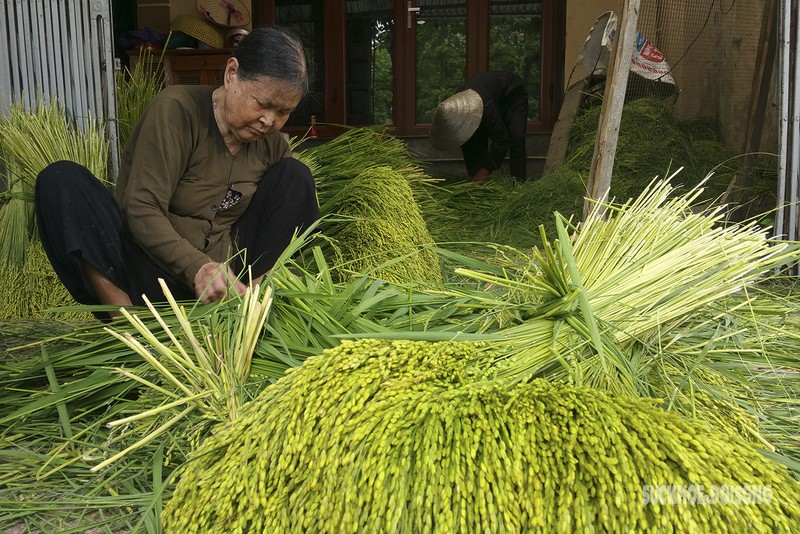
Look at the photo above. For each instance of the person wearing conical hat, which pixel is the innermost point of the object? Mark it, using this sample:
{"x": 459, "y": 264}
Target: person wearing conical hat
{"x": 487, "y": 117}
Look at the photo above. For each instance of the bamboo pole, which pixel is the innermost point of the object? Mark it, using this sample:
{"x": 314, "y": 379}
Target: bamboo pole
{"x": 605, "y": 145}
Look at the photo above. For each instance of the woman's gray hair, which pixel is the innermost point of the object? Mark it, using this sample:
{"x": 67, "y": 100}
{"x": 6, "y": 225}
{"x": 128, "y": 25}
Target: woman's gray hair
{"x": 275, "y": 52}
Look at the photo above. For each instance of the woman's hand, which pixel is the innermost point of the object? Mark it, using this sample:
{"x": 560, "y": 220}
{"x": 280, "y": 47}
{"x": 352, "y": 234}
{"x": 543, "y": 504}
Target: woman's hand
{"x": 215, "y": 281}
{"x": 480, "y": 176}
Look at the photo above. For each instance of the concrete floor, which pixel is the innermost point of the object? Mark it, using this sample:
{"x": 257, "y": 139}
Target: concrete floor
{"x": 450, "y": 164}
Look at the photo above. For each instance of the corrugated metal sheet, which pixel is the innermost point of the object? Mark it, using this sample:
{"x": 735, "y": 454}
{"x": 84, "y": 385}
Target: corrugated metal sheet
{"x": 63, "y": 50}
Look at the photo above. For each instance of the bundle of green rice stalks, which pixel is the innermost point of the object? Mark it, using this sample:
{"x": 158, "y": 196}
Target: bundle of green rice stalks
{"x": 30, "y": 140}
{"x": 35, "y": 138}
{"x": 628, "y": 303}
{"x": 641, "y": 156}
{"x": 33, "y": 290}
{"x": 403, "y": 436}
{"x": 13, "y": 301}
{"x": 376, "y": 226}
{"x": 637, "y": 156}
{"x": 16, "y": 215}
{"x": 503, "y": 212}
{"x": 338, "y": 161}
{"x": 135, "y": 90}
{"x": 204, "y": 366}
{"x": 44, "y": 291}
{"x": 704, "y": 393}
{"x": 355, "y": 150}
{"x": 467, "y": 214}
{"x": 532, "y": 205}
{"x": 769, "y": 341}
{"x": 631, "y": 277}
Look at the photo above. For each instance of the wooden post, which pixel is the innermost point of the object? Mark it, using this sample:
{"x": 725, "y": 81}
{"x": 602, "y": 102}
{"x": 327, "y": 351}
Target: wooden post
{"x": 605, "y": 145}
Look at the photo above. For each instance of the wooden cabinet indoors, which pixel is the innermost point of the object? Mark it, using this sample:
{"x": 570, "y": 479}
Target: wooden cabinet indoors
{"x": 190, "y": 66}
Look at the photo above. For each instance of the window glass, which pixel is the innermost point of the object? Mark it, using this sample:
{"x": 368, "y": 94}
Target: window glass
{"x": 369, "y": 38}
{"x": 305, "y": 18}
{"x": 515, "y": 44}
{"x": 441, "y": 29}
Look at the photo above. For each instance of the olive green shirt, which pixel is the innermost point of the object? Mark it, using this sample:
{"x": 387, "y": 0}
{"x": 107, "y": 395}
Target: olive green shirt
{"x": 174, "y": 174}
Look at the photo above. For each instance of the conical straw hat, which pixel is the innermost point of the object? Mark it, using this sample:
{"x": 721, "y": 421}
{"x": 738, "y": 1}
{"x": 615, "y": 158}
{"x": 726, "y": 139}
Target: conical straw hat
{"x": 456, "y": 119}
{"x": 225, "y": 13}
{"x": 199, "y": 29}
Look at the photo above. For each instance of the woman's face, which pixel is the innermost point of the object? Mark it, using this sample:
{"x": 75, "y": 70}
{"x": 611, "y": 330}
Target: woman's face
{"x": 258, "y": 107}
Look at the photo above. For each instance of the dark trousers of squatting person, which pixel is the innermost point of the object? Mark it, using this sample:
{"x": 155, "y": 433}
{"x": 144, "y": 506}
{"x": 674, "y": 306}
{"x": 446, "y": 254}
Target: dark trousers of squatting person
{"x": 78, "y": 220}
{"x": 477, "y": 147}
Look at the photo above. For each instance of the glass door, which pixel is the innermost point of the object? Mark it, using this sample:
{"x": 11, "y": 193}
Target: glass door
{"x": 440, "y": 37}
{"x": 515, "y": 45}
{"x": 368, "y": 48}
{"x": 305, "y": 17}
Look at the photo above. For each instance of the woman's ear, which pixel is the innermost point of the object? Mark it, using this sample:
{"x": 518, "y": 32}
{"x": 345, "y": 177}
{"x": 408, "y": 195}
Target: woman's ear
{"x": 231, "y": 67}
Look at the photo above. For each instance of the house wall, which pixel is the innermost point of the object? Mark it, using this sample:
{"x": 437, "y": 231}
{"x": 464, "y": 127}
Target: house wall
{"x": 715, "y": 66}
{"x": 739, "y": 45}
{"x": 154, "y": 14}
{"x": 580, "y": 17}
{"x": 712, "y": 50}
